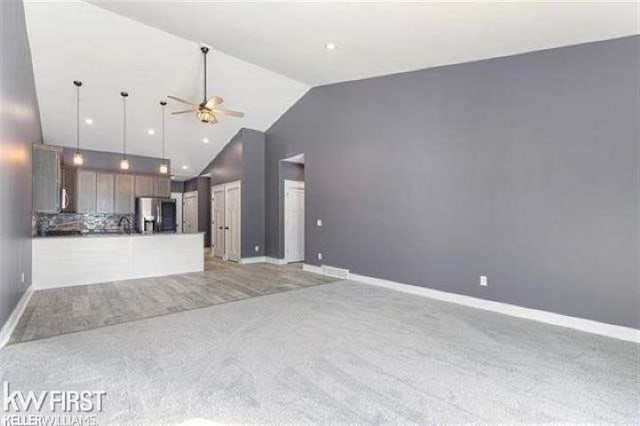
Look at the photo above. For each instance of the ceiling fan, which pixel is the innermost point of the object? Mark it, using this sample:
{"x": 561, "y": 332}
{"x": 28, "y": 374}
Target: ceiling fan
{"x": 206, "y": 110}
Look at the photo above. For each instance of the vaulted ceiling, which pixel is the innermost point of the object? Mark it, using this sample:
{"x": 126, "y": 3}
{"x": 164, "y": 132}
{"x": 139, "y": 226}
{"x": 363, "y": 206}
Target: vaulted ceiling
{"x": 266, "y": 56}
{"x": 111, "y": 53}
{"x": 383, "y": 37}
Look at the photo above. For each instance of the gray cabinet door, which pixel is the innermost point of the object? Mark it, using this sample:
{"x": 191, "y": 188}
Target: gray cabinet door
{"x": 162, "y": 187}
{"x": 105, "y": 193}
{"x": 144, "y": 186}
{"x": 125, "y": 190}
{"x": 46, "y": 180}
{"x": 86, "y": 191}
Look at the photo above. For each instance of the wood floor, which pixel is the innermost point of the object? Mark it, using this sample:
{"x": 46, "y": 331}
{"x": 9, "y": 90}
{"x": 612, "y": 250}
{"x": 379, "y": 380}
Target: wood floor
{"x": 70, "y": 309}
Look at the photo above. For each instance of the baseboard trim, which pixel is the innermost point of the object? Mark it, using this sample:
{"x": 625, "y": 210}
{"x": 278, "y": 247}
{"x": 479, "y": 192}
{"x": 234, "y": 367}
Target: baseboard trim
{"x": 262, "y": 259}
{"x": 256, "y": 259}
{"x": 582, "y": 324}
{"x": 12, "y": 321}
{"x": 312, "y": 268}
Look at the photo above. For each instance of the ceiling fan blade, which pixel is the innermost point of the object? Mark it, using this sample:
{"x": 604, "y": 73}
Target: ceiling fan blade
{"x": 215, "y": 100}
{"x": 227, "y": 112}
{"x": 181, "y": 100}
{"x": 183, "y": 112}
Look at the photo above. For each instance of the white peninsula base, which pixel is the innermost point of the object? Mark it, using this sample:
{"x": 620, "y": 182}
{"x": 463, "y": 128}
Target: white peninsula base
{"x": 81, "y": 260}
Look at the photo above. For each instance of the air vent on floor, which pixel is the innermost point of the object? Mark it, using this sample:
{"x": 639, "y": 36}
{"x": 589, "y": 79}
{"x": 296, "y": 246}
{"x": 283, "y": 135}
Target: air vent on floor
{"x": 335, "y": 272}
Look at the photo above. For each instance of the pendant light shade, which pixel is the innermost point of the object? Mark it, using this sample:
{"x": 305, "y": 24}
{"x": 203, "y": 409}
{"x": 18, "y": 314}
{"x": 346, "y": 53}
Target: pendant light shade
{"x": 77, "y": 156}
{"x": 164, "y": 167}
{"x": 124, "y": 163}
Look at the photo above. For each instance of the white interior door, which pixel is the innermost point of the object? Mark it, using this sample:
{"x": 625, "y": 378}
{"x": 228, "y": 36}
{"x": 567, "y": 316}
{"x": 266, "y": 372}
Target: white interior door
{"x": 218, "y": 222}
{"x": 294, "y": 221}
{"x": 190, "y": 212}
{"x": 232, "y": 217}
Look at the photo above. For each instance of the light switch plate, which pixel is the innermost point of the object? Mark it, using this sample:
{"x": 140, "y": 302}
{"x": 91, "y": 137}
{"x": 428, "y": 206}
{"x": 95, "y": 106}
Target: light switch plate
{"x": 319, "y": 256}
{"x": 319, "y": 222}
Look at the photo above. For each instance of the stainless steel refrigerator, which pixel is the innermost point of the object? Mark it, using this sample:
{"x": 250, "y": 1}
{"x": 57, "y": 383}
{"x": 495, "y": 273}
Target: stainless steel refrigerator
{"x": 155, "y": 215}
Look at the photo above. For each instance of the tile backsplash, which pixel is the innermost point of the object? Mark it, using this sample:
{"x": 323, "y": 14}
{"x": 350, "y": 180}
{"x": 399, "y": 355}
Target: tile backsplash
{"x": 88, "y": 222}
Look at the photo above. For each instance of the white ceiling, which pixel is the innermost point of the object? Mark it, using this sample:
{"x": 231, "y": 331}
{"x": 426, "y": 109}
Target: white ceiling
{"x": 380, "y": 38}
{"x": 110, "y": 53}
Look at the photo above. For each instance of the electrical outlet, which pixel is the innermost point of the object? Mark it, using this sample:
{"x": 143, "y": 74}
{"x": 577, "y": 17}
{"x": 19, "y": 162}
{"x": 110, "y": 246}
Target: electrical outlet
{"x": 319, "y": 222}
{"x": 22, "y": 277}
{"x": 319, "y": 256}
{"x": 256, "y": 249}
{"x": 484, "y": 281}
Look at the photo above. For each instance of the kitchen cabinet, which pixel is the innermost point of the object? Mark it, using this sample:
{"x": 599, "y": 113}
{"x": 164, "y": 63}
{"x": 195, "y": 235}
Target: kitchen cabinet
{"x": 162, "y": 187}
{"x": 86, "y": 191}
{"x": 144, "y": 186}
{"x": 125, "y": 194}
{"x": 105, "y": 192}
{"x": 47, "y": 179}
{"x": 69, "y": 187}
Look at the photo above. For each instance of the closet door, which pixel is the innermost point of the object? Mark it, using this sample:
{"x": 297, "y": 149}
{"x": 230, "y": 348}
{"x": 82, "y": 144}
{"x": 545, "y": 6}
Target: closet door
{"x": 233, "y": 238}
{"x": 218, "y": 222}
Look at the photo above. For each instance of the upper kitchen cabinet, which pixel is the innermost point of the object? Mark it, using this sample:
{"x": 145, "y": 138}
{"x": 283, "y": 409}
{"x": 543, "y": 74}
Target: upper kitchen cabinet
{"x": 125, "y": 194}
{"x": 162, "y": 187}
{"x": 144, "y": 186}
{"x": 105, "y": 192}
{"x": 86, "y": 191}
{"x": 47, "y": 179}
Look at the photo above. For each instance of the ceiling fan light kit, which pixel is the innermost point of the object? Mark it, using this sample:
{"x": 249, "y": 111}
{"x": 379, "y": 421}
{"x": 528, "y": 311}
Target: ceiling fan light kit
{"x": 206, "y": 110}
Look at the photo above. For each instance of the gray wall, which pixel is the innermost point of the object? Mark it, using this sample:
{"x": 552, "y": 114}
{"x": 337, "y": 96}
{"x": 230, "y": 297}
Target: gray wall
{"x": 522, "y": 168}
{"x": 243, "y": 159}
{"x": 228, "y": 165}
{"x": 203, "y": 186}
{"x": 19, "y": 128}
{"x": 110, "y": 161}
{"x": 253, "y": 193}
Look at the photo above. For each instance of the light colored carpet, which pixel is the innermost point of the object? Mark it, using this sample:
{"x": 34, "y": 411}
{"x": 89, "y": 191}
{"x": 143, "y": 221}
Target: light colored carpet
{"x": 341, "y": 352}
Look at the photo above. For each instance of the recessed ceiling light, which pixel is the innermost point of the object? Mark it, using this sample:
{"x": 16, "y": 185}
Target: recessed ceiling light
{"x": 88, "y": 121}
{"x": 205, "y": 140}
{"x": 330, "y": 46}
{"x": 185, "y": 167}
{"x": 151, "y": 132}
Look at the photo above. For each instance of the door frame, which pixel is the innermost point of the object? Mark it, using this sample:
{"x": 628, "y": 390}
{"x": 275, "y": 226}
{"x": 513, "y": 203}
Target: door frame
{"x": 214, "y": 189}
{"x": 293, "y": 184}
{"x": 225, "y": 187}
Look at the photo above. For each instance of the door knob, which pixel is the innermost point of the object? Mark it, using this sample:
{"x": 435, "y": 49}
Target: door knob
{"x": 226, "y": 227}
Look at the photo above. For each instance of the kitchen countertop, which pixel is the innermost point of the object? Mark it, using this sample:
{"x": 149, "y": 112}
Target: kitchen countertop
{"x": 112, "y": 235}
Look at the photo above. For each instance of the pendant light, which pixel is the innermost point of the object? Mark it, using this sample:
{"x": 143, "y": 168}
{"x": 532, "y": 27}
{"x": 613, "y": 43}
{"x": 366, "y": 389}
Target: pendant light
{"x": 164, "y": 167}
{"x": 77, "y": 157}
{"x": 124, "y": 164}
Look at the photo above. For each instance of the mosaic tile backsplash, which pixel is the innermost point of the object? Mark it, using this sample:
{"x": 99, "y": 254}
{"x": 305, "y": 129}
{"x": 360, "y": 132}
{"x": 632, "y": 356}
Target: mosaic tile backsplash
{"x": 85, "y": 223}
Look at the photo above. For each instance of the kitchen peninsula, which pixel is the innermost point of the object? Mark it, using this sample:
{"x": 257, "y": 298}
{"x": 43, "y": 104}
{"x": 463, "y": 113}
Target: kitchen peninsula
{"x": 89, "y": 259}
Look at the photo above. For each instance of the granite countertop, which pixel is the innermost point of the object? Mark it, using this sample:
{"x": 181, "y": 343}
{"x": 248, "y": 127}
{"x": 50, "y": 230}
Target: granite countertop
{"x": 112, "y": 235}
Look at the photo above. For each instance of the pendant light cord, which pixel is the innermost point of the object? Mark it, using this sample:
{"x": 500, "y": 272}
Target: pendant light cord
{"x": 78, "y": 119}
{"x": 78, "y": 84}
{"x": 124, "y": 123}
{"x": 163, "y": 143}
